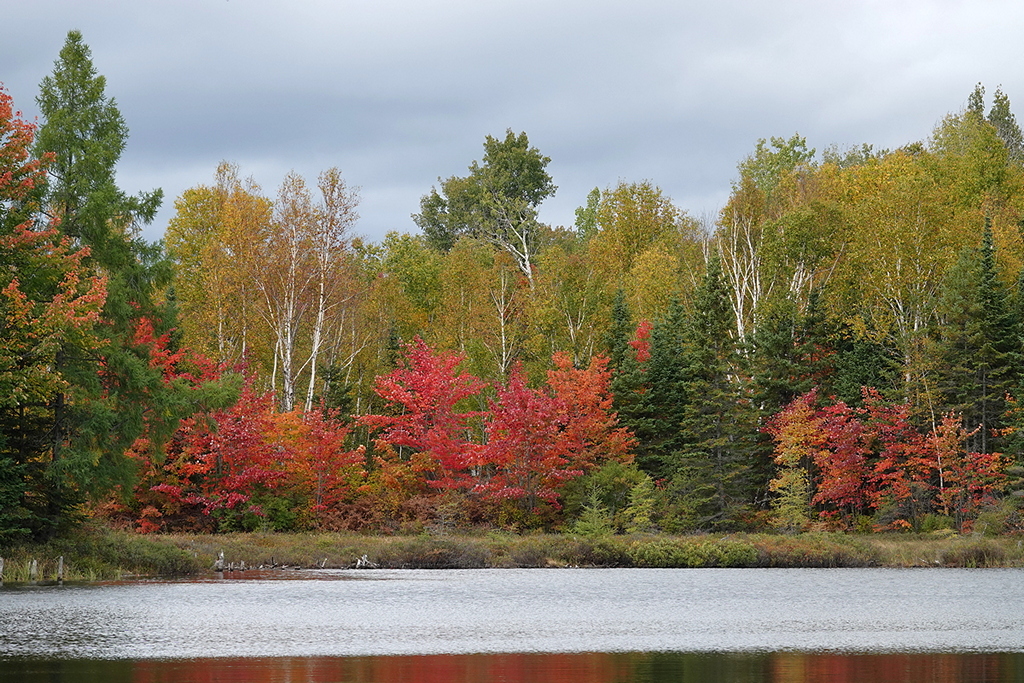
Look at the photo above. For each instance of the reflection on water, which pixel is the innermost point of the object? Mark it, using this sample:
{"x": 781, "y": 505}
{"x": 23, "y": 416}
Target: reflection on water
{"x": 506, "y": 611}
{"x": 614, "y": 626}
{"x": 539, "y": 668}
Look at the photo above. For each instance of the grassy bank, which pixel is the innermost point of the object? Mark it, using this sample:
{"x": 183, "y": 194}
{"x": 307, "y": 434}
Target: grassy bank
{"x": 109, "y": 555}
{"x": 99, "y": 555}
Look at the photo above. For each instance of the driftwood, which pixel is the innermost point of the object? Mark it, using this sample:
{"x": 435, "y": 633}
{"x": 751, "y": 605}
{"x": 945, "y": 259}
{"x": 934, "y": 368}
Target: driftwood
{"x": 364, "y": 563}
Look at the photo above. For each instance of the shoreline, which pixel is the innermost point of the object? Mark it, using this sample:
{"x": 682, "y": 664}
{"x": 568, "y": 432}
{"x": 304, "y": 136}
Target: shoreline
{"x": 102, "y": 554}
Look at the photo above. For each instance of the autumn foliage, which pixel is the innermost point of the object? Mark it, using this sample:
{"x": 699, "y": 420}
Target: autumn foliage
{"x": 538, "y": 439}
{"x": 250, "y": 466}
{"x": 535, "y": 439}
{"x": 872, "y": 460}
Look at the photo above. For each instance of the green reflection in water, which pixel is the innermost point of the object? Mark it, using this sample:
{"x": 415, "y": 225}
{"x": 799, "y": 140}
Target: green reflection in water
{"x": 634, "y": 667}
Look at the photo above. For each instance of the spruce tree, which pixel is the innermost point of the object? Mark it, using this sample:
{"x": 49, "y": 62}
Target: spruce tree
{"x": 1005, "y": 122}
{"x": 617, "y": 339}
{"x": 791, "y": 353}
{"x": 713, "y": 483}
{"x": 975, "y": 344}
{"x": 113, "y": 393}
{"x": 660, "y": 403}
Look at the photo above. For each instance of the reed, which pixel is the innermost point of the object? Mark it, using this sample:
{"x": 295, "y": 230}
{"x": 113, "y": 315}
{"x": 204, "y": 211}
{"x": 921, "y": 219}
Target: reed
{"x": 111, "y": 555}
{"x": 97, "y": 555}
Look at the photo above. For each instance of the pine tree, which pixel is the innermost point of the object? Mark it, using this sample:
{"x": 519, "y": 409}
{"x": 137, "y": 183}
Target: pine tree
{"x": 975, "y": 343}
{"x": 114, "y": 393}
{"x": 1005, "y": 122}
{"x": 659, "y": 396}
{"x": 717, "y": 420}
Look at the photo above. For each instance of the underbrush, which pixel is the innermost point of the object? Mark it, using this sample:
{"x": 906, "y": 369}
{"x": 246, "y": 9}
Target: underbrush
{"x": 106, "y": 554}
{"x": 98, "y": 555}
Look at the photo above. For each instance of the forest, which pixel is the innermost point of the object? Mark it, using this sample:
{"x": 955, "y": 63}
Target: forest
{"x": 840, "y": 348}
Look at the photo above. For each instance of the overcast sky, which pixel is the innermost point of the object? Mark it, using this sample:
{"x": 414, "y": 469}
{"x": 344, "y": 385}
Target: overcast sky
{"x": 396, "y": 93}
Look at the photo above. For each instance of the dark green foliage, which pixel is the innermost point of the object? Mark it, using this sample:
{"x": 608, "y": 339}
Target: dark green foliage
{"x": 337, "y": 394}
{"x": 975, "y": 344}
{"x": 860, "y": 363}
{"x": 619, "y": 334}
{"x": 16, "y": 520}
{"x": 86, "y": 134}
{"x": 659, "y": 397}
{"x": 792, "y": 352}
{"x": 718, "y": 421}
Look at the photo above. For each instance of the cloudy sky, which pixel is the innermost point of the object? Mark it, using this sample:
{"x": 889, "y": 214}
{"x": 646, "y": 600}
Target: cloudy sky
{"x": 399, "y": 92}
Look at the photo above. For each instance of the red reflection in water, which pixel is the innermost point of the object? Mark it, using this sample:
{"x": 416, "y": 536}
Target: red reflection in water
{"x": 900, "y": 668}
{"x": 505, "y": 668}
{"x": 592, "y": 668}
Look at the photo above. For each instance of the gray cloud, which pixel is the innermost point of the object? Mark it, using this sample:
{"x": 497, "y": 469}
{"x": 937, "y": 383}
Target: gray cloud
{"x": 397, "y": 93}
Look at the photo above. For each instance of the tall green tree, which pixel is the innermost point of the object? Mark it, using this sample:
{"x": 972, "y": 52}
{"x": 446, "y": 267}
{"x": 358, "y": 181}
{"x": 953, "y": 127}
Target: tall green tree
{"x": 497, "y": 201}
{"x": 114, "y": 393}
{"x": 659, "y": 395}
{"x": 718, "y": 424}
{"x": 975, "y": 345}
{"x": 86, "y": 134}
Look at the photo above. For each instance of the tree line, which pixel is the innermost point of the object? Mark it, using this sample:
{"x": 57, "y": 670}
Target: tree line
{"x": 839, "y": 348}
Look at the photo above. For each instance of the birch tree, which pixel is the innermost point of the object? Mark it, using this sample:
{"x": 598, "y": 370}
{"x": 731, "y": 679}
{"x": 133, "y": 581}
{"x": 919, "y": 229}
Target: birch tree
{"x": 497, "y": 201}
{"x": 333, "y": 219}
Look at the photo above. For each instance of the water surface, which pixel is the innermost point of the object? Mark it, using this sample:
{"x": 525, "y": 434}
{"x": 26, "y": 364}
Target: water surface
{"x": 530, "y": 624}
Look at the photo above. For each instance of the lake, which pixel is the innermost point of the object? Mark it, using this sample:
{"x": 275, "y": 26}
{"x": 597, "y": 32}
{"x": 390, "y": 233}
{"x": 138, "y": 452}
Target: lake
{"x": 594, "y": 625}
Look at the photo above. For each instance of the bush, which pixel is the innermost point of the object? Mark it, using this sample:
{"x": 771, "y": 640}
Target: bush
{"x": 664, "y": 553}
{"x": 932, "y": 522}
{"x": 980, "y": 553}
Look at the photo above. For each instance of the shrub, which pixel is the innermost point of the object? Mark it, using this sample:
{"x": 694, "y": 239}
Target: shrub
{"x": 974, "y": 553}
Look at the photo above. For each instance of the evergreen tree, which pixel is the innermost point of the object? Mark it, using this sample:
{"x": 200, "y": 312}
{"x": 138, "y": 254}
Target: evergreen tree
{"x": 718, "y": 422}
{"x": 791, "y": 353}
{"x": 629, "y": 383}
{"x": 1005, "y": 122}
{"x": 617, "y": 339}
{"x": 859, "y": 362}
{"x": 660, "y": 397}
{"x": 86, "y": 134}
{"x": 113, "y": 392}
{"x": 975, "y": 342}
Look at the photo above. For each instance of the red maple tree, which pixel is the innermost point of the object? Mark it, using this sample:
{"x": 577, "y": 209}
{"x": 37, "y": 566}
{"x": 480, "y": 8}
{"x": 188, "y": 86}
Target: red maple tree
{"x": 423, "y": 397}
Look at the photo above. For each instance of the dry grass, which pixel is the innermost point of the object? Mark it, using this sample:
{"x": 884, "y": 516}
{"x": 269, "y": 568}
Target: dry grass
{"x": 107, "y": 555}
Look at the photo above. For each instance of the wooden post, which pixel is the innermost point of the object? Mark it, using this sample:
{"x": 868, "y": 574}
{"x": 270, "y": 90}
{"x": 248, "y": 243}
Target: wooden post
{"x": 60, "y": 570}
{"x": 33, "y": 570}
{"x": 1, "y": 571}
